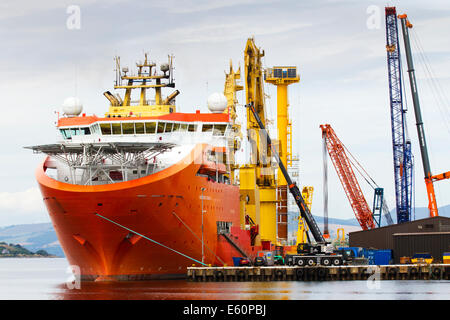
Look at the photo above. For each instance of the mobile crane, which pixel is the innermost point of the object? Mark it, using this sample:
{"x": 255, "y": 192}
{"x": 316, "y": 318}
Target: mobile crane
{"x": 429, "y": 177}
{"x": 347, "y": 177}
{"x": 321, "y": 252}
{"x": 401, "y": 144}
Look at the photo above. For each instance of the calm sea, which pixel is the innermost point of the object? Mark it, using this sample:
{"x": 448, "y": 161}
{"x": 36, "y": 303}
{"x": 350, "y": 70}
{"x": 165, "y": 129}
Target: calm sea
{"x": 44, "y": 279}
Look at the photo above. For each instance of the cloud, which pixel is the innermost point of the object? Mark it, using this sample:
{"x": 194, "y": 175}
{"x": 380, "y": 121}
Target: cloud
{"x": 13, "y": 9}
{"x": 22, "y": 207}
{"x": 192, "y": 6}
{"x": 212, "y": 33}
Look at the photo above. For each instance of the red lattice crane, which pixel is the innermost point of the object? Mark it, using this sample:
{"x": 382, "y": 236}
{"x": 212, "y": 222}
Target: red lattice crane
{"x": 343, "y": 167}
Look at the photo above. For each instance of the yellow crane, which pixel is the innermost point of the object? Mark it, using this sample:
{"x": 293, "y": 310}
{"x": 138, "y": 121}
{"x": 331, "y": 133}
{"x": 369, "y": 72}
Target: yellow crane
{"x": 307, "y": 194}
{"x": 230, "y": 89}
{"x": 257, "y": 178}
{"x": 340, "y": 237}
{"x": 282, "y": 77}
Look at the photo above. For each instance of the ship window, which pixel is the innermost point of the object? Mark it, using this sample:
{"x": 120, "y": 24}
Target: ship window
{"x": 223, "y": 227}
{"x": 219, "y": 129}
{"x": 116, "y": 175}
{"x": 277, "y": 73}
{"x": 150, "y": 127}
{"x": 66, "y": 133}
{"x": 94, "y": 129}
{"x": 128, "y": 128}
{"x": 85, "y": 131}
{"x": 168, "y": 127}
{"x": 207, "y": 128}
{"x": 106, "y": 128}
{"x": 292, "y": 73}
{"x": 183, "y": 127}
{"x": 176, "y": 127}
{"x": 139, "y": 127}
{"x": 161, "y": 127}
{"x": 74, "y": 131}
{"x": 116, "y": 128}
{"x": 192, "y": 128}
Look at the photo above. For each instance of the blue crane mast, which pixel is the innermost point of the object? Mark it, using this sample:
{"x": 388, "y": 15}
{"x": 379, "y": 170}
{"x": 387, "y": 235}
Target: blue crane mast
{"x": 403, "y": 162}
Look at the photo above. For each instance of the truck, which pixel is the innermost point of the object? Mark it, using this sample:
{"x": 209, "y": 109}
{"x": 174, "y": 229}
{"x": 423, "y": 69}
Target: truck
{"x": 317, "y": 254}
{"x": 320, "y": 252}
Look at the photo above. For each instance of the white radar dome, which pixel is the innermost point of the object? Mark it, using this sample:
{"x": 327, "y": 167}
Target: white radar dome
{"x": 217, "y": 102}
{"x": 72, "y": 107}
{"x": 165, "y": 67}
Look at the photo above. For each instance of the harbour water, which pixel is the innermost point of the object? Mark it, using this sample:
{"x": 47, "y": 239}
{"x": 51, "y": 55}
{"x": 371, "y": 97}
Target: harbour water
{"x": 48, "y": 279}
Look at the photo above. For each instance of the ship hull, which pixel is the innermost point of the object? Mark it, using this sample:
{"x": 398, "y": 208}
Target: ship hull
{"x": 146, "y": 228}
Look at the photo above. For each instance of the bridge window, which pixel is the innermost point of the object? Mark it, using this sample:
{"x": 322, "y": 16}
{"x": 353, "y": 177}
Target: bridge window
{"x": 150, "y": 127}
{"x": 176, "y": 127}
{"x": 116, "y": 128}
{"x": 183, "y": 127}
{"x": 74, "y": 131}
{"x": 95, "y": 129}
{"x": 139, "y": 128}
{"x": 161, "y": 127}
{"x": 192, "y": 128}
{"x": 207, "y": 127}
{"x": 168, "y": 127}
{"x": 219, "y": 129}
{"x": 128, "y": 128}
{"x": 106, "y": 128}
{"x": 85, "y": 131}
{"x": 66, "y": 133}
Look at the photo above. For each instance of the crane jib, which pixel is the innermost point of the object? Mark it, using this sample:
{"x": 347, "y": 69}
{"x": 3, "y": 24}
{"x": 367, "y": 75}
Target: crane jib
{"x": 304, "y": 211}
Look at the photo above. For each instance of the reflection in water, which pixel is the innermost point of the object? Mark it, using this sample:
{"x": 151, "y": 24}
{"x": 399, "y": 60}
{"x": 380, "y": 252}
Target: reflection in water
{"x": 176, "y": 290}
{"x": 46, "y": 279}
{"x": 183, "y": 290}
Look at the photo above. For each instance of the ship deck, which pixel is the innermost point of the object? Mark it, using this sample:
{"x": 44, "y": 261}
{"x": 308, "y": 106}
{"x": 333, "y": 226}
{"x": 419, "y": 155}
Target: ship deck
{"x": 106, "y": 147}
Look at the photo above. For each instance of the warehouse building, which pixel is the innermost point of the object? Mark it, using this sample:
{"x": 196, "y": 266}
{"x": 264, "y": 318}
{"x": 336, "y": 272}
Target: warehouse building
{"x": 434, "y": 243}
{"x": 431, "y": 235}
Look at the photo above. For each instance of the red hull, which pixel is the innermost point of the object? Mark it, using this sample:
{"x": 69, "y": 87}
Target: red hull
{"x": 165, "y": 207}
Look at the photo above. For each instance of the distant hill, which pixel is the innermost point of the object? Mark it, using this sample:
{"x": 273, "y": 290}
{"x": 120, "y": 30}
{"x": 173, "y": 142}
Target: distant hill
{"x": 421, "y": 213}
{"x": 34, "y": 237}
{"x": 16, "y": 250}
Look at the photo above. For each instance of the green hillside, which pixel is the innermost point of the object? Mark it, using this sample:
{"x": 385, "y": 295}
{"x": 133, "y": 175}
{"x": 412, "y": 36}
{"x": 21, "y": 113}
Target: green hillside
{"x": 33, "y": 237}
{"x": 16, "y": 250}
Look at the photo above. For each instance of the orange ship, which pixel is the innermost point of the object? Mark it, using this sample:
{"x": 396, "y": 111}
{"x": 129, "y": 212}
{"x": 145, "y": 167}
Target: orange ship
{"x": 144, "y": 191}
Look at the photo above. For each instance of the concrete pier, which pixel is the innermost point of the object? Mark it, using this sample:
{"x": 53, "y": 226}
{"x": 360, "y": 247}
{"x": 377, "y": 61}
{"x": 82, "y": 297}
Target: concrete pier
{"x": 320, "y": 273}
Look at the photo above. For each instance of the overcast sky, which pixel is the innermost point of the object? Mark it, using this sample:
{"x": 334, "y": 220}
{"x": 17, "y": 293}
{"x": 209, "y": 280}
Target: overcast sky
{"x": 338, "y": 47}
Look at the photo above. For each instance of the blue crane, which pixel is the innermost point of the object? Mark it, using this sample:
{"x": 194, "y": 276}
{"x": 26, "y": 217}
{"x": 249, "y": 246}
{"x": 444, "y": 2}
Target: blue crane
{"x": 403, "y": 160}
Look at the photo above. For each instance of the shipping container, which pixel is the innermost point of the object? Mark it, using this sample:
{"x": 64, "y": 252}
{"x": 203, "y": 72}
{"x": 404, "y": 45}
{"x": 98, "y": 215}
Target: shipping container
{"x": 383, "y": 257}
{"x": 378, "y": 257}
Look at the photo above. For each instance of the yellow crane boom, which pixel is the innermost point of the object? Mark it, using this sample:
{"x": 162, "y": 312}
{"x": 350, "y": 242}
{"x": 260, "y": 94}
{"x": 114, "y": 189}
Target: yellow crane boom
{"x": 257, "y": 178}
